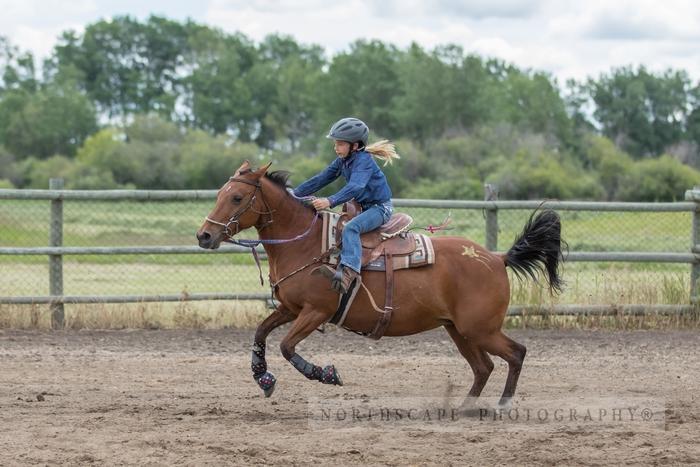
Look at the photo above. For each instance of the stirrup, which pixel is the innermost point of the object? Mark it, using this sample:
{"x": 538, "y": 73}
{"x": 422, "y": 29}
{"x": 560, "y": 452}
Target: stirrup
{"x": 337, "y": 280}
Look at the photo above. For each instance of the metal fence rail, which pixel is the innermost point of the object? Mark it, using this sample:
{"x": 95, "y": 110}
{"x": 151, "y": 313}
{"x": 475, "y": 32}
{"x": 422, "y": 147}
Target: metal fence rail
{"x": 490, "y": 209}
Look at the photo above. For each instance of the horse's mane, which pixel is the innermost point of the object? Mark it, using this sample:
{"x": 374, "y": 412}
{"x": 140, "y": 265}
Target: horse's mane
{"x": 279, "y": 177}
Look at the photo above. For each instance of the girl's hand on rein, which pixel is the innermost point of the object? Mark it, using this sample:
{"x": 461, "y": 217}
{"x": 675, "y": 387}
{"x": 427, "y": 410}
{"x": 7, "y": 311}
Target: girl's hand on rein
{"x": 321, "y": 203}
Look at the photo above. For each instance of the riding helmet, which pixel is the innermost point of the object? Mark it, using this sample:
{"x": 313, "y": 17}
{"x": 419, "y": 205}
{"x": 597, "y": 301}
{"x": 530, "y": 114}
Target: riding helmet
{"x": 349, "y": 129}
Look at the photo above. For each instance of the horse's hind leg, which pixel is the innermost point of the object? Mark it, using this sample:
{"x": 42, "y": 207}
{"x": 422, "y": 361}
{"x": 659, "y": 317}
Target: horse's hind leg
{"x": 308, "y": 320}
{"x": 479, "y": 361}
{"x": 264, "y": 378}
{"x": 512, "y": 352}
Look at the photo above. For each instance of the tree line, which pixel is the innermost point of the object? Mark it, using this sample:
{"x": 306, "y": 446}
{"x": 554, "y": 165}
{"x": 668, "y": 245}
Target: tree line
{"x": 166, "y": 104}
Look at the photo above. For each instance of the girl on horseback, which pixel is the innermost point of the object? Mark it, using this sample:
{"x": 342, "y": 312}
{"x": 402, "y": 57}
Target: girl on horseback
{"x": 366, "y": 183}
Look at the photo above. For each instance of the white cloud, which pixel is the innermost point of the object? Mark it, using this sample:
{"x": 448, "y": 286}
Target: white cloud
{"x": 566, "y": 38}
{"x": 464, "y": 9}
{"x": 477, "y": 9}
{"x": 497, "y": 47}
{"x": 35, "y": 25}
{"x": 39, "y": 41}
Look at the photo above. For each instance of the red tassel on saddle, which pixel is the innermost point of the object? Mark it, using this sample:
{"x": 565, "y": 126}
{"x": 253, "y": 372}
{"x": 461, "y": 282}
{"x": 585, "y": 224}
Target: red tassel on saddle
{"x": 436, "y": 228}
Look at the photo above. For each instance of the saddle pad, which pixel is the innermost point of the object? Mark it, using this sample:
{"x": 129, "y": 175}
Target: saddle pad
{"x": 329, "y": 233}
{"x": 423, "y": 256}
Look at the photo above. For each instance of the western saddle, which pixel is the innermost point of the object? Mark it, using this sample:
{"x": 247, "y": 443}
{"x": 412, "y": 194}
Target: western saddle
{"x": 389, "y": 240}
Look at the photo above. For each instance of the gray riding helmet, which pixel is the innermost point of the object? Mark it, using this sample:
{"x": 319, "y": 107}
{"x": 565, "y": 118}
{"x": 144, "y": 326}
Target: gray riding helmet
{"x": 349, "y": 129}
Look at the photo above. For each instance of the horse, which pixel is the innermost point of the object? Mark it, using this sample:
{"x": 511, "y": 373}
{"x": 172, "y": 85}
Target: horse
{"x": 467, "y": 294}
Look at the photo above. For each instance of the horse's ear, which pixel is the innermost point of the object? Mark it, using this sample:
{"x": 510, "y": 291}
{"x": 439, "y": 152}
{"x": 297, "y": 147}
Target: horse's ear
{"x": 261, "y": 171}
{"x": 244, "y": 166}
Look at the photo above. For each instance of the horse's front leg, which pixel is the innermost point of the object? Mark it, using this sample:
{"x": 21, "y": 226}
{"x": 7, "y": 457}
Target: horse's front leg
{"x": 264, "y": 378}
{"x": 308, "y": 320}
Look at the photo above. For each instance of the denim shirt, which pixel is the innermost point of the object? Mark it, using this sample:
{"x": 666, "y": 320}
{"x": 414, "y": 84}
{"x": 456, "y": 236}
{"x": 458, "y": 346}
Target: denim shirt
{"x": 365, "y": 181}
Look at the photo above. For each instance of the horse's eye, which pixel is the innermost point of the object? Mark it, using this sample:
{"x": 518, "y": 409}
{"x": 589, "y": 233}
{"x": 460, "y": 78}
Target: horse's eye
{"x": 237, "y": 199}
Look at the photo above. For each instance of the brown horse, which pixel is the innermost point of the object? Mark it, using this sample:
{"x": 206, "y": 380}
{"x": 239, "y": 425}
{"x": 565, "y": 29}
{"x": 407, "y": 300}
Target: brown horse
{"x": 466, "y": 291}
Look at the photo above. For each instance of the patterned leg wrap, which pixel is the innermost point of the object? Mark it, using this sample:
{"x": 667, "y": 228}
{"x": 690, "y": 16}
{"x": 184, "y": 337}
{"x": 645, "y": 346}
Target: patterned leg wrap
{"x": 258, "y": 364}
{"x": 331, "y": 376}
{"x": 327, "y": 375}
{"x": 264, "y": 378}
{"x": 309, "y": 370}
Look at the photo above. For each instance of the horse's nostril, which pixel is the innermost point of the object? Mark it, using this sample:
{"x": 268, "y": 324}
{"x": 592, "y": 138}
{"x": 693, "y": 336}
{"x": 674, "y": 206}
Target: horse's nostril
{"x": 204, "y": 239}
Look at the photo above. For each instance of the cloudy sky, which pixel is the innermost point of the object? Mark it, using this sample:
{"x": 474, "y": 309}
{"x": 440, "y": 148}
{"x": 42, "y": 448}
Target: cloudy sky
{"x": 570, "y": 39}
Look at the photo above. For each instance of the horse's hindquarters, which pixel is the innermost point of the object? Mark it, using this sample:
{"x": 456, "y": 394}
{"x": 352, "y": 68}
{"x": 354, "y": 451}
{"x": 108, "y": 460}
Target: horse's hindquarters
{"x": 467, "y": 286}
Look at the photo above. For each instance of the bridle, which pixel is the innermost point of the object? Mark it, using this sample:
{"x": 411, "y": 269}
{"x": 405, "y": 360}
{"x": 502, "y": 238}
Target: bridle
{"x": 234, "y": 219}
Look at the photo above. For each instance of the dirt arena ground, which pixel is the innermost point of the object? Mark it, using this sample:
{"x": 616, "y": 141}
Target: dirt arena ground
{"x": 187, "y": 397}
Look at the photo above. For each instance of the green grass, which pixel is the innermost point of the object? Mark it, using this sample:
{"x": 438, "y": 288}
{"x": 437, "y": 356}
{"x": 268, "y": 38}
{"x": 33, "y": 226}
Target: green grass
{"x": 128, "y": 223}
{"x": 616, "y": 284}
{"x": 132, "y": 278}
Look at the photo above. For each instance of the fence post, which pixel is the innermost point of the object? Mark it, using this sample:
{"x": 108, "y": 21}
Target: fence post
{"x": 491, "y": 194}
{"x": 56, "y": 261}
{"x": 695, "y": 266}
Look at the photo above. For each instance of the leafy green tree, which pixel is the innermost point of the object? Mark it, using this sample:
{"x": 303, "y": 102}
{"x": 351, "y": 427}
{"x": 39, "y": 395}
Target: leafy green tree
{"x": 77, "y": 175}
{"x": 470, "y": 90}
{"x": 642, "y": 112}
{"x": 362, "y": 82}
{"x": 534, "y": 103}
{"x": 7, "y": 165}
{"x": 460, "y": 185}
{"x": 219, "y": 91}
{"x": 53, "y": 120}
{"x": 38, "y": 172}
{"x": 124, "y": 65}
{"x": 17, "y": 69}
{"x": 102, "y": 151}
{"x": 189, "y": 102}
{"x": 663, "y": 179}
{"x": 291, "y": 100}
{"x": 544, "y": 175}
{"x": 693, "y": 121}
{"x": 420, "y": 108}
{"x": 302, "y": 167}
{"x": 610, "y": 164}
{"x": 207, "y": 161}
{"x": 146, "y": 154}
{"x": 155, "y": 153}
{"x": 292, "y": 115}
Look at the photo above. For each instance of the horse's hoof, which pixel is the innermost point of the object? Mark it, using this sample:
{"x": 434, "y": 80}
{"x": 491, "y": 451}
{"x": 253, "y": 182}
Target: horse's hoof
{"x": 267, "y": 383}
{"x": 506, "y": 403}
{"x": 330, "y": 376}
{"x": 474, "y": 407}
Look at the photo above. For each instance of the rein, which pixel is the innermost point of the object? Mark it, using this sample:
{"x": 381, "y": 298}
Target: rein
{"x": 276, "y": 241}
{"x": 273, "y": 241}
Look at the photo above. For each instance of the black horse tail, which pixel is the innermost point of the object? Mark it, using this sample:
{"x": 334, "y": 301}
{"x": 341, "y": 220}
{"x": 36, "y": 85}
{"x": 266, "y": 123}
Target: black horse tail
{"x": 539, "y": 248}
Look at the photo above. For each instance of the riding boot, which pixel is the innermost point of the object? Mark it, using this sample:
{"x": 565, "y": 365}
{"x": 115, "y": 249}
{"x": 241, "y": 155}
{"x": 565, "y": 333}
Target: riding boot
{"x": 341, "y": 278}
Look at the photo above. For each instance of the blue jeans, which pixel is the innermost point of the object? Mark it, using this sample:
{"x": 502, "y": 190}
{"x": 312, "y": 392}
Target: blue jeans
{"x": 373, "y": 217}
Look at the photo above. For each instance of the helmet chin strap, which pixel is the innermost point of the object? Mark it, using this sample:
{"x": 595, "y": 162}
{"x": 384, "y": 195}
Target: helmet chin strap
{"x": 353, "y": 148}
